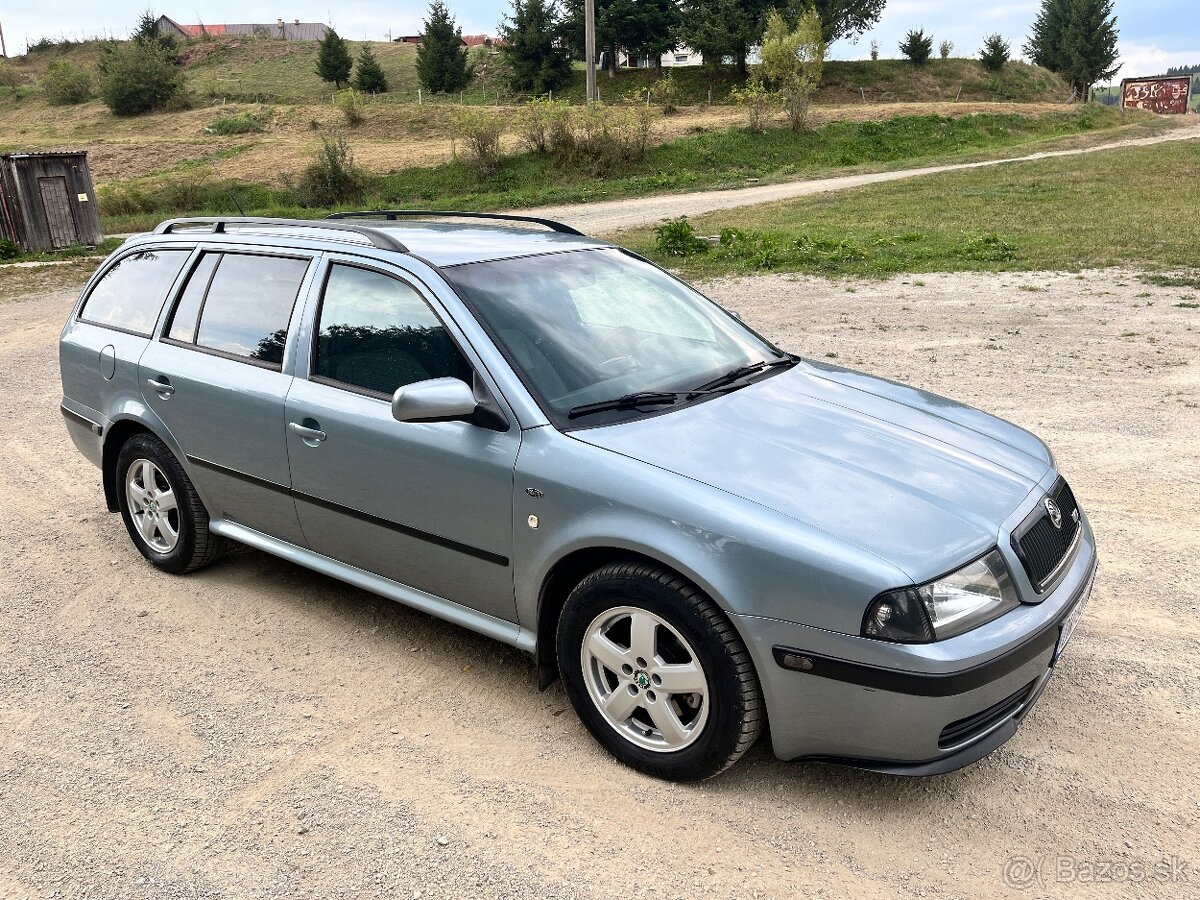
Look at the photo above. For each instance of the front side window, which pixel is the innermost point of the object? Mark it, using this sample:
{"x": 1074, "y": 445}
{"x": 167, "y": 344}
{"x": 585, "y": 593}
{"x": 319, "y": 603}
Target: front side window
{"x": 131, "y": 293}
{"x": 375, "y": 333}
{"x": 248, "y": 306}
{"x": 589, "y": 326}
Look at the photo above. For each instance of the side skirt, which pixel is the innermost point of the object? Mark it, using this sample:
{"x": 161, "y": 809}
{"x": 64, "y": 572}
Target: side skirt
{"x": 507, "y": 632}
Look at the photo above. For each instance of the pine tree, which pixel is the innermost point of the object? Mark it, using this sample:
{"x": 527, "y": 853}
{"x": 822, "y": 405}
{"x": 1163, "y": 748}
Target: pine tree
{"x": 995, "y": 52}
{"x": 333, "y": 60}
{"x": 917, "y": 46}
{"x": 1045, "y": 39}
{"x": 147, "y": 34}
{"x": 369, "y": 77}
{"x": 536, "y": 61}
{"x": 441, "y": 57}
{"x": 1077, "y": 39}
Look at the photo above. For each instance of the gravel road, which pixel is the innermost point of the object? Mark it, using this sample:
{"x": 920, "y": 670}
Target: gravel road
{"x": 616, "y": 215}
{"x": 255, "y": 730}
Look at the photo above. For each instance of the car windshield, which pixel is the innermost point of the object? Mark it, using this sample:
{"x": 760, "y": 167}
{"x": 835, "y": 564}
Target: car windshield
{"x": 590, "y": 326}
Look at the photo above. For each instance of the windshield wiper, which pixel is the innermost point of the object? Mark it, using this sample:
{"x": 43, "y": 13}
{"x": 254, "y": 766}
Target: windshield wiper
{"x": 735, "y": 375}
{"x": 632, "y": 401}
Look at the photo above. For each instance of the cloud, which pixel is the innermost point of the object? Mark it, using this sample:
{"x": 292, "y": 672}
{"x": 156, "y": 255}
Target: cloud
{"x": 1150, "y": 59}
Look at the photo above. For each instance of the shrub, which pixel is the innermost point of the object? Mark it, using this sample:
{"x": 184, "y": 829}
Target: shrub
{"x": 9, "y": 77}
{"x": 243, "y": 123}
{"x": 995, "y": 52}
{"x": 349, "y": 102}
{"x": 945, "y": 48}
{"x": 65, "y": 84}
{"x": 332, "y": 177}
{"x": 9, "y": 250}
{"x": 665, "y": 92}
{"x": 874, "y": 51}
{"x": 756, "y": 100}
{"x": 677, "y": 238}
{"x": 608, "y": 137}
{"x": 545, "y": 127}
{"x": 917, "y": 47}
{"x": 480, "y": 131}
{"x": 137, "y": 78}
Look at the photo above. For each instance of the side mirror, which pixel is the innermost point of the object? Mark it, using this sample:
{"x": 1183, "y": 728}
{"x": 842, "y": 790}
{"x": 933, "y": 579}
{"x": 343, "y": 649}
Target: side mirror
{"x": 436, "y": 399}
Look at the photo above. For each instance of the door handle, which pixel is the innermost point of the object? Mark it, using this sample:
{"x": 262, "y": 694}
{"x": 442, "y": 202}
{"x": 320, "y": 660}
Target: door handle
{"x": 306, "y": 433}
{"x": 163, "y": 388}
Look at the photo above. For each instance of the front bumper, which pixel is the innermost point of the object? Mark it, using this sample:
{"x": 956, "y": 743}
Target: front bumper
{"x": 910, "y": 709}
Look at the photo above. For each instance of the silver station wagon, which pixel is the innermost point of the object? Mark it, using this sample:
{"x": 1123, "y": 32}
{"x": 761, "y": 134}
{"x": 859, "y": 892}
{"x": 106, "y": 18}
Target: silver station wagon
{"x": 549, "y": 440}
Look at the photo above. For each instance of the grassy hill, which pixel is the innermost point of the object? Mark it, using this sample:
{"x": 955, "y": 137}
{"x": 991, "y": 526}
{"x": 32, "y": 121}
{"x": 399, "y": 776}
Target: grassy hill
{"x": 270, "y": 71}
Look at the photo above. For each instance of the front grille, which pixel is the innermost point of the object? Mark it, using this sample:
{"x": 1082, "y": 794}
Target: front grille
{"x": 1039, "y": 544}
{"x": 971, "y": 727}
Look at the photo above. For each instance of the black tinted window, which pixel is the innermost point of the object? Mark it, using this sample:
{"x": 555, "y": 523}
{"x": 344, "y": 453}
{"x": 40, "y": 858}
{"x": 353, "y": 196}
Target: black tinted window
{"x": 378, "y": 334}
{"x": 183, "y": 322}
{"x": 131, "y": 293}
{"x": 249, "y": 304}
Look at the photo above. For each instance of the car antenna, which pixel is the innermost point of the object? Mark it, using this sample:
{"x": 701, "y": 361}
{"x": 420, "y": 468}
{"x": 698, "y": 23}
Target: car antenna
{"x": 233, "y": 197}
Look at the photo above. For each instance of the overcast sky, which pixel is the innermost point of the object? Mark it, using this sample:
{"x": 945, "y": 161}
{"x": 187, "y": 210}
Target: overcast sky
{"x": 1154, "y": 35}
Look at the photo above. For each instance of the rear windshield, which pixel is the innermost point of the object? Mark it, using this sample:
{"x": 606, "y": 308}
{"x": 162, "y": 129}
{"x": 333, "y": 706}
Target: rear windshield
{"x": 131, "y": 293}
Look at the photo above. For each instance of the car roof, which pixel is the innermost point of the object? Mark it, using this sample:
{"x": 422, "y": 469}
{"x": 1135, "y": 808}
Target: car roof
{"x": 451, "y": 244}
{"x": 444, "y": 243}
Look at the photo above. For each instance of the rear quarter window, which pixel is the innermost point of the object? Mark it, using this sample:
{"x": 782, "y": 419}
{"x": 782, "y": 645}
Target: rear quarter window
{"x": 131, "y": 294}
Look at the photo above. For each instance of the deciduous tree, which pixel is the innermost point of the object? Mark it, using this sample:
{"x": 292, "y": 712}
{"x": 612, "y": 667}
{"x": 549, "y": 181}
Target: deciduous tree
{"x": 793, "y": 58}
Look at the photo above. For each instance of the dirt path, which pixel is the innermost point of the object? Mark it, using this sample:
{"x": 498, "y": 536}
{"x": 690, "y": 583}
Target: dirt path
{"x": 255, "y": 730}
{"x": 616, "y": 215}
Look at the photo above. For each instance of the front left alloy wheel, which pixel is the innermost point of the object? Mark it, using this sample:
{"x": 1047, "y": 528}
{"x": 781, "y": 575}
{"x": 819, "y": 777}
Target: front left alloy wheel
{"x": 657, "y": 673}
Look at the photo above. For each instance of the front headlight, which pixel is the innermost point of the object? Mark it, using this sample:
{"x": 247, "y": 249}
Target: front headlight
{"x": 965, "y": 599}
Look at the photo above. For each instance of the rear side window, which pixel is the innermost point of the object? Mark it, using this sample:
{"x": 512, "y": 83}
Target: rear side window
{"x": 131, "y": 293}
{"x": 240, "y": 305}
{"x": 375, "y": 333}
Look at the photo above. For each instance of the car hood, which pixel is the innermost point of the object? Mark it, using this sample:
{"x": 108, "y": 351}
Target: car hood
{"x": 921, "y": 481}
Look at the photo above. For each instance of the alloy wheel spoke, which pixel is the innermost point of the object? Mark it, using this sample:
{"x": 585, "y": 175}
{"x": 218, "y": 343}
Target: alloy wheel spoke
{"x": 138, "y": 495}
{"x": 620, "y": 704}
{"x": 607, "y": 653}
{"x": 642, "y": 636}
{"x": 166, "y": 501}
{"x": 147, "y": 476}
{"x": 684, "y": 678}
{"x": 667, "y": 722}
{"x": 145, "y": 524}
{"x": 169, "y": 533}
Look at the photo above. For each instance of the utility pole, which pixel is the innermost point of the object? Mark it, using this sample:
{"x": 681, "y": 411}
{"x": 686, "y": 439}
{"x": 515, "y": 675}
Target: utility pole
{"x": 589, "y": 47}
{"x": 3, "y": 49}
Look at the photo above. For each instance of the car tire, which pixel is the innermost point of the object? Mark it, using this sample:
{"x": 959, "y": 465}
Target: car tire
{"x": 161, "y": 509}
{"x": 657, "y": 673}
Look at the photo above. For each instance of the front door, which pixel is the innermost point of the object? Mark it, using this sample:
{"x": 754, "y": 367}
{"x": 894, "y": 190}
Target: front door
{"x": 59, "y": 217}
{"x": 428, "y": 505}
{"x": 216, "y": 379}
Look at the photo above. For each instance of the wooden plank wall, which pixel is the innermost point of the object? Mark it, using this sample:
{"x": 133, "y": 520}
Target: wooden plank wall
{"x": 21, "y": 175}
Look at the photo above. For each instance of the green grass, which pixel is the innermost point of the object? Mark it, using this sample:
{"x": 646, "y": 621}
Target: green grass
{"x": 729, "y": 158}
{"x": 1069, "y": 213}
{"x": 72, "y": 252}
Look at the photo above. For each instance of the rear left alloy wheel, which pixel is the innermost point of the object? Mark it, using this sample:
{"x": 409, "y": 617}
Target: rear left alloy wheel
{"x": 161, "y": 509}
{"x": 657, "y": 673}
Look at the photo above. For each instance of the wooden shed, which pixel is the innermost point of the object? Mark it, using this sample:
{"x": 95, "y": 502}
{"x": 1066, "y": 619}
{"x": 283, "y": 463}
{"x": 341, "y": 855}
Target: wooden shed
{"x": 47, "y": 201}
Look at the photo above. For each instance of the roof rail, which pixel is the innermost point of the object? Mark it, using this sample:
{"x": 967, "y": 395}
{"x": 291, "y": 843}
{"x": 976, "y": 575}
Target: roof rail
{"x": 392, "y": 214}
{"x": 379, "y": 239}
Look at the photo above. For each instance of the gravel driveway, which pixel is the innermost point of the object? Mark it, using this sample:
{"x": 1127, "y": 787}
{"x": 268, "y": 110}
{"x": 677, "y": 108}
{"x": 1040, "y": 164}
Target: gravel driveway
{"x": 256, "y": 730}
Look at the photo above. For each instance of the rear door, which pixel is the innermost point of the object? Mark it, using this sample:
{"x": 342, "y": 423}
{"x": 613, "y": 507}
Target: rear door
{"x": 426, "y": 504}
{"x": 216, "y": 378}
